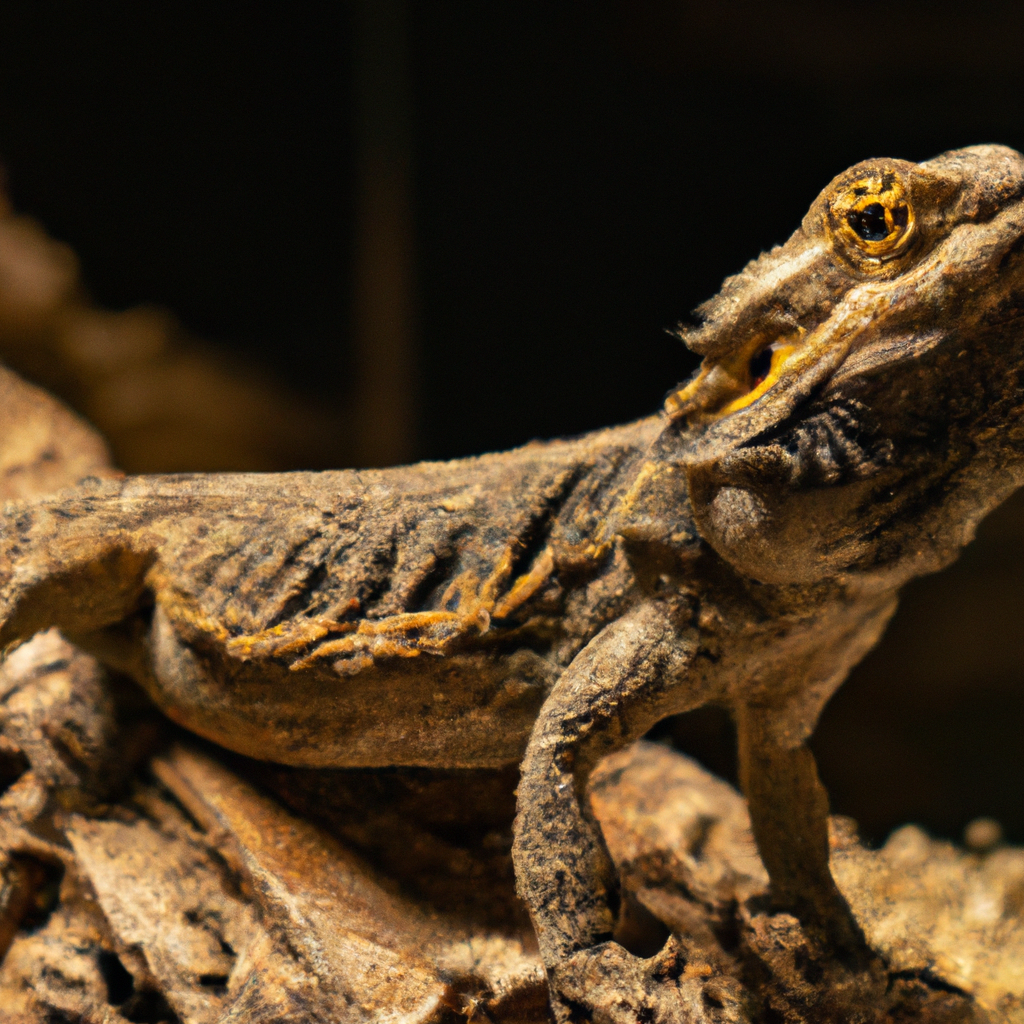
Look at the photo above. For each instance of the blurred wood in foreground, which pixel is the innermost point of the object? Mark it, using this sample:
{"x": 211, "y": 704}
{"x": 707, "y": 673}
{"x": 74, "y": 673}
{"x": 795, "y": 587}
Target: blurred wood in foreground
{"x": 164, "y": 401}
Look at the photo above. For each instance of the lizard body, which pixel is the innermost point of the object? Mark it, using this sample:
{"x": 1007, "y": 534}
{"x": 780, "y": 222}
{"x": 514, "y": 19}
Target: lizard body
{"x": 465, "y": 587}
{"x": 858, "y": 411}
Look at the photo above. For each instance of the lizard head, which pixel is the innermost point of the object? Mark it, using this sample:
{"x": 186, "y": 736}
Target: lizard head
{"x": 860, "y": 405}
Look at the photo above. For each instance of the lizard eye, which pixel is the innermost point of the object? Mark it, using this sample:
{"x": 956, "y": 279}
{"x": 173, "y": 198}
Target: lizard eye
{"x": 869, "y": 223}
{"x": 873, "y": 217}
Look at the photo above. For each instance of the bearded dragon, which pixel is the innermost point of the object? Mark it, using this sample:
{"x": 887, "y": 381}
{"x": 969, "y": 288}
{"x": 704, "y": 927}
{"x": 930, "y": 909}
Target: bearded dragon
{"x": 857, "y": 412}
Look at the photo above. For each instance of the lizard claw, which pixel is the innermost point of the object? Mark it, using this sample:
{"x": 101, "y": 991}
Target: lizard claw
{"x": 606, "y": 984}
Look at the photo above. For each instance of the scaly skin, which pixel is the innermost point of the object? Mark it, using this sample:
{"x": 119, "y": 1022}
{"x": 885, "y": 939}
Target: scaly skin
{"x": 857, "y": 413}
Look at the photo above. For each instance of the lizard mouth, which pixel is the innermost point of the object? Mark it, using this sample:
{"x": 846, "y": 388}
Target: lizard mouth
{"x": 739, "y": 396}
{"x": 763, "y": 369}
{"x": 723, "y": 388}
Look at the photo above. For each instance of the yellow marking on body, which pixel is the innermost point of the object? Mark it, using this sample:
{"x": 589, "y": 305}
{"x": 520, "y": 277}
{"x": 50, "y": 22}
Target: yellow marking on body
{"x": 499, "y": 576}
{"x": 628, "y": 500}
{"x": 182, "y": 608}
{"x": 407, "y": 622}
{"x": 404, "y": 635}
{"x": 290, "y": 636}
{"x": 458, "y": 502}
{"x": 462, "y": 590}
{"x": 527, "y": 585}
{"x": 286, "y": 638}
{"x": 278, "y": 639}
{"x": 626, "y": 511}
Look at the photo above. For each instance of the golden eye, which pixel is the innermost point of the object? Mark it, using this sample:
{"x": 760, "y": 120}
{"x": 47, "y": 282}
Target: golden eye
{"x": 874, "y": 217}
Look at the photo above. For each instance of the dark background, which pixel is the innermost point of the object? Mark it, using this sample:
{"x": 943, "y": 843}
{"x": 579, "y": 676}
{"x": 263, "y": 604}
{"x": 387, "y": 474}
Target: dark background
{"x": 581, "y": 175}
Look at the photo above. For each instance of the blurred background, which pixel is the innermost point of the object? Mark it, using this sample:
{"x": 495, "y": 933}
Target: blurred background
{"x": 369, "y": 232}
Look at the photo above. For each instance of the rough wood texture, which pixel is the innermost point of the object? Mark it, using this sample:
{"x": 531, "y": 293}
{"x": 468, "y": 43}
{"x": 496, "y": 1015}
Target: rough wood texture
{"x": 857, "y": 413}
{"x": 946, "y": 923}
{"x": 45, "y": 446}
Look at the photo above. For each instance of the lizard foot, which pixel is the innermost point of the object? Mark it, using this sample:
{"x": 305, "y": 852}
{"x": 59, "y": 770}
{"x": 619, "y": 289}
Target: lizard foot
{"x": 606, "y": 984}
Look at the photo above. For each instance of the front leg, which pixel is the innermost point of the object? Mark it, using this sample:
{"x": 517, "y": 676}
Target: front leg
{"x": 789, "y": 816}
{"x": 629, "y": 677}
{"x": 788, "y": 804}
